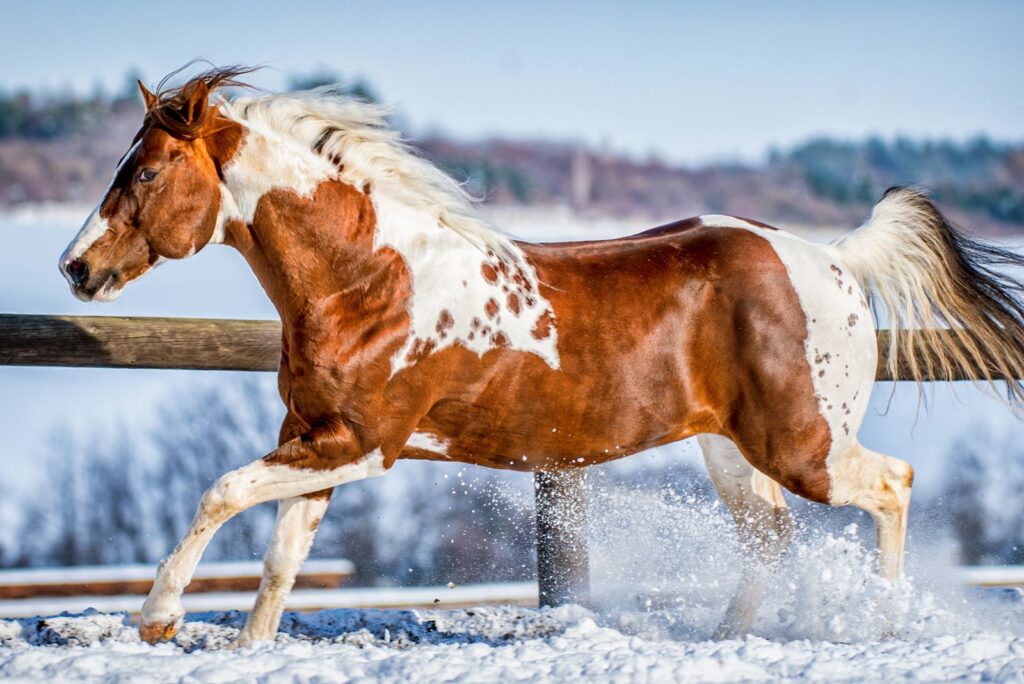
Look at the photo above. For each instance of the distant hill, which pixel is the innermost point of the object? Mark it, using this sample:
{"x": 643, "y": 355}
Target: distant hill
{"x": 65, "y": 150}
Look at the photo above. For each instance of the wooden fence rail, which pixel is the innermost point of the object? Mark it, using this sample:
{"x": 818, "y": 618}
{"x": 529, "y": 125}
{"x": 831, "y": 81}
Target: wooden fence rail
{"x": 211, "y": 344}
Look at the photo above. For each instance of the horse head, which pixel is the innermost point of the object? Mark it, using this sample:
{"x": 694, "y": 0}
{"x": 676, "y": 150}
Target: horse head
{"x": 165, "y": 197}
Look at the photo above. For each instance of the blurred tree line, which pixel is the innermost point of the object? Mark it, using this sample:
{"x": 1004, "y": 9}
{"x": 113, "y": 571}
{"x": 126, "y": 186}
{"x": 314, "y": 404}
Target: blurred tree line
{"x": 976, "y": 175}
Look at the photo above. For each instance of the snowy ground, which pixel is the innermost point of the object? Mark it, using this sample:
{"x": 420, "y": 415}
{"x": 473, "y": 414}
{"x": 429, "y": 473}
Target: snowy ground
{"x": 479, "y": 645}
{"x": 827, "y": 617}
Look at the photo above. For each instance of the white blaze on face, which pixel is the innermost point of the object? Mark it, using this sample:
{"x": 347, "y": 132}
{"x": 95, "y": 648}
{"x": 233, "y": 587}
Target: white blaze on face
{"x": 453, "y": 302}
{"x": 94, "y": 227}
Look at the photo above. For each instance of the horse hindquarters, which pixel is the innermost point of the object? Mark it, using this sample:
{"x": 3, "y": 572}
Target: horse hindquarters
{"x": 804, "y": 399}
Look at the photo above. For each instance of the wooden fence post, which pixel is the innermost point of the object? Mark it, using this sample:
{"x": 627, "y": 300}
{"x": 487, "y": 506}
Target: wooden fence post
{"x": 563, "y": 562}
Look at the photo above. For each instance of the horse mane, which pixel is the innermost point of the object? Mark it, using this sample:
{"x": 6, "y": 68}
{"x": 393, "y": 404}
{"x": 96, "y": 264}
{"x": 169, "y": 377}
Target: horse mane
{"x": 353, "y": 134}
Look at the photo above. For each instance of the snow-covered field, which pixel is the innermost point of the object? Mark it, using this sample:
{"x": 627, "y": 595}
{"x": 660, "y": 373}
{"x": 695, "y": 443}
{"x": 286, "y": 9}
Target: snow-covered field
{"x": 827, "y": 617}
{"x": 479, "y": 645}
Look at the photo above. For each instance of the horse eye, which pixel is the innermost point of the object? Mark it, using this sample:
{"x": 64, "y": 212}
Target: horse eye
{"x": 146, "y": 175}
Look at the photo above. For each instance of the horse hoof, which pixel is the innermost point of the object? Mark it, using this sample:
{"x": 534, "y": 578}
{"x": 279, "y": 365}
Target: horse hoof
{"x": 242, "y": 641}
{"x": 156, "y": 632}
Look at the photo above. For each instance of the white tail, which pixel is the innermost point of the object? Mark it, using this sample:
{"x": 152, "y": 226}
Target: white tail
{"x": 929, "y": 275}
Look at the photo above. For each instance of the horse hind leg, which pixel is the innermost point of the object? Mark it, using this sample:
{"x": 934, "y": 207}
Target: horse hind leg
{"x": 879, "y": 485}
{"x": 763, "y": 524}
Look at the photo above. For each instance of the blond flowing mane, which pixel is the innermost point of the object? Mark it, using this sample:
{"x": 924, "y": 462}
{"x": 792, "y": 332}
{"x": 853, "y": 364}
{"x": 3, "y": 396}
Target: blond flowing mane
{"x": 354, "y": 135}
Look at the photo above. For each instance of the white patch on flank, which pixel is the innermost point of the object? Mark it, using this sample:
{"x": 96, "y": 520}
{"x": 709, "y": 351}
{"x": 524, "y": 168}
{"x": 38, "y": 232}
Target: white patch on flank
{"x": 427, "y": 442}
{"x": 421, "y": 213}
{"x": 840, "y": 348}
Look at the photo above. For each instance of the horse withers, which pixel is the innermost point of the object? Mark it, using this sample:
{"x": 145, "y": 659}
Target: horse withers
{"x": 412, "y": 329}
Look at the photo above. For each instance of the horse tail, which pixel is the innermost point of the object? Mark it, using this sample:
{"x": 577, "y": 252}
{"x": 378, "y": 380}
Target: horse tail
{"x": 930, "y": 275}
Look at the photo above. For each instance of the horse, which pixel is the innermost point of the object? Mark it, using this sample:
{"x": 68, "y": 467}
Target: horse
{"x": 413, "y": 329}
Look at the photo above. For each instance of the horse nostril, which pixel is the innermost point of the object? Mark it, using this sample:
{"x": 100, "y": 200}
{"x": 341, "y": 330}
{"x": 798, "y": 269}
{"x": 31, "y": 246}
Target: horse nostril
{"x": 78, "y": 271}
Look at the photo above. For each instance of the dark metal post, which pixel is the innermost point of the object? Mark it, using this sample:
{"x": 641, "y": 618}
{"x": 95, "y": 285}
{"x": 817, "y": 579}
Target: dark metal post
{"x": 563, "y": 564}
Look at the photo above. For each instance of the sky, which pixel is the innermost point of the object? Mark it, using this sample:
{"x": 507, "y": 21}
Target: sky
{"x": 686, "y": 82}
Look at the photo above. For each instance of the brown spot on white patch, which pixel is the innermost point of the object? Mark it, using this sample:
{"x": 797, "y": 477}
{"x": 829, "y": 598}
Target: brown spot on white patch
{"x": 513, "y": 303}
{"x": 491, "y": 308}
{"x": 852, "y": 320}
{"x": 445, "y": 322}
{"x": 499, "y": 339}
{"x": 490, "y": 275}
{"x": 421, "y": 348}
{"x": 542, "y": 330}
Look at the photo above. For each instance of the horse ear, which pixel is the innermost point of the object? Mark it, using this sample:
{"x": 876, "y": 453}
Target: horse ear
{"x": 195, "y": 105}
{"x": 148, "y": 98}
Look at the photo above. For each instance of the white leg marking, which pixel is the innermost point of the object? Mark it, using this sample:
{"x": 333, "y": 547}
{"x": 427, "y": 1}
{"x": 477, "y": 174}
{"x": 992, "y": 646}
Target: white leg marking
{"x": 297, "y": 520}
{"x": 234, "y": 492}
{"x": 880, "y": 485}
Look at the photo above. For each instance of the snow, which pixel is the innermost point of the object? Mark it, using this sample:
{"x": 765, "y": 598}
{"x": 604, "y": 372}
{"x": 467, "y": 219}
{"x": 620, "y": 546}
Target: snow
{"x": 489, "y": 644}
{"x": 828, "y": 616}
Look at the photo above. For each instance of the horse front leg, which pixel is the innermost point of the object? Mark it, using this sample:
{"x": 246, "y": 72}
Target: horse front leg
{"x": 297, "y": 521}
{"x": 322, "y": 458}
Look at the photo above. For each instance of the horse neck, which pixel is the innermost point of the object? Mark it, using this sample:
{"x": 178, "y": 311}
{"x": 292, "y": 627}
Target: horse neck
{"x": 304, "y": 249}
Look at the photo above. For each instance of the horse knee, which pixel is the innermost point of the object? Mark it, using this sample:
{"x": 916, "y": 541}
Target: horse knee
{"x": 224, "y": 498}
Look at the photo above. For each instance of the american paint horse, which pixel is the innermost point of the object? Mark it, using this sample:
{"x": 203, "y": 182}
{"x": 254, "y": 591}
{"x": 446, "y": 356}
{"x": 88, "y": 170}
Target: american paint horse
{"x": 412, "y": 330}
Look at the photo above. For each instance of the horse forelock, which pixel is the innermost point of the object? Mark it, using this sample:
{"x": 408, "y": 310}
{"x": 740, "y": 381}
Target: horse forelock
{"x": 186, "y": 111}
